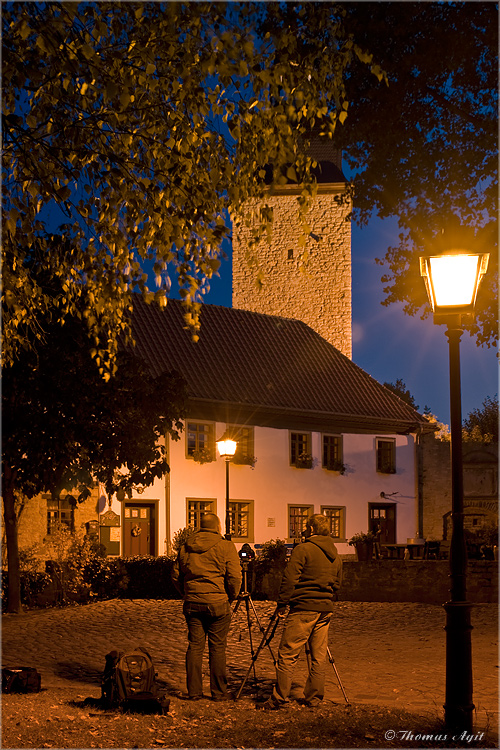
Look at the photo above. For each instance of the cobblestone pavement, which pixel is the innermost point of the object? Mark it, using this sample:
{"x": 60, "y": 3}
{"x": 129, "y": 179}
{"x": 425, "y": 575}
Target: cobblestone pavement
{"x": 386, "y": 654}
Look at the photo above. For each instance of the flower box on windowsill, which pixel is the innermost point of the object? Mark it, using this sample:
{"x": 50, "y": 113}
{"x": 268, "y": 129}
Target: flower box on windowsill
{"x": 203, "y": 457}
{"x": 244, "y": 460}
{"x": 336, "y": 467}
{"x": 304, "y": 462}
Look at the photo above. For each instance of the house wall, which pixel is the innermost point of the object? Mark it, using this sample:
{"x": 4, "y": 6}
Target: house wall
{"x": 319, "y": 292}
{"x": 32, "y": 525}
{"x": 273, "y": 484}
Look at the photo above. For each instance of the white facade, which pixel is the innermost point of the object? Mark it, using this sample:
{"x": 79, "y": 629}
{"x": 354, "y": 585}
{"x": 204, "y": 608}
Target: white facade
{"x": 272, "y": 486}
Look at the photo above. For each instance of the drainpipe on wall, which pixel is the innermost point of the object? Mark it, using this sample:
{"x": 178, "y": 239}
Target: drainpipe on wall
{"x": 167, "y": 548}
{"x": 420, "y": 483}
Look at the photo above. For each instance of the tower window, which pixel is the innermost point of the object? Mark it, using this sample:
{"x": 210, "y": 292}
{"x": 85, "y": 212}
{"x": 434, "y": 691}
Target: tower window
{"x": 290, "y": 253}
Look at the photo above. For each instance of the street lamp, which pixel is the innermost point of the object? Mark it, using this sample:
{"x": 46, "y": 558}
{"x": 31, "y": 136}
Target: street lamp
{"x": 452, "y": 280}
{"x": 227, "y": 449}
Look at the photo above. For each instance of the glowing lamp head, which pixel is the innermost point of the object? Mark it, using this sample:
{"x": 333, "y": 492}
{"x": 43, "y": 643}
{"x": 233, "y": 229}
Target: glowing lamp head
{"x": 226, "y": 448}
{"x": 452, "y": 280}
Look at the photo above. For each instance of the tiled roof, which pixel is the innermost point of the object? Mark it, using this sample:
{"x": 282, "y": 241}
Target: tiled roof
{"x": 263, "y": 369}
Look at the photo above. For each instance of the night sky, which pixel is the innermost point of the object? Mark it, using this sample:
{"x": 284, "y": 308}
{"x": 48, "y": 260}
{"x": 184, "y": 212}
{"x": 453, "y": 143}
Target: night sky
{"x": 390, "y": 345}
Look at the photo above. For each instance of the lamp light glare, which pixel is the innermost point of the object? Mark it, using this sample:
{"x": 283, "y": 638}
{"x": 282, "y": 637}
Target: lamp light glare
{"x": 226, "y": 447}
{"x": 454, "y": 279}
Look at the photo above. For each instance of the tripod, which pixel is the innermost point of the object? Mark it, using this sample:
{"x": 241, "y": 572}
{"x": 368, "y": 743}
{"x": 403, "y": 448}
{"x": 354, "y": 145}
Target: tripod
{"x": 332, "y": 662}
{"x": 267, "y": 637}
{"x": 245, "y": 596}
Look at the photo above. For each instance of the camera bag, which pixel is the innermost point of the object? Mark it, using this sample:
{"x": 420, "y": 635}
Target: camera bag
{"x": 21, "y": 680}
{"x": 129, "y": 683}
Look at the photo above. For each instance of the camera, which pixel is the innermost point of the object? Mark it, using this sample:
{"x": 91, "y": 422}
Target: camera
{"x": 246, "y": 554}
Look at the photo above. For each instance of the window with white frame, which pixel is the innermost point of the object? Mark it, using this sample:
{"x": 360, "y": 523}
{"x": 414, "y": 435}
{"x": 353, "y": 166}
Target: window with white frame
{"x": 297, "y": 519}
{"x": 200, "y": 442}
{"x": 386, "y": 455}
{"x": 333, "y": 452}
{"x": 195, "y": 507}
{"x": 336, "y": 519}
{"x": 241, "y": 520}
{"x": 300, "y": 450}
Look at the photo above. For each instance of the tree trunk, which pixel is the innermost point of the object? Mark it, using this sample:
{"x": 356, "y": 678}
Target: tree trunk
{"x": 10, "y": 521}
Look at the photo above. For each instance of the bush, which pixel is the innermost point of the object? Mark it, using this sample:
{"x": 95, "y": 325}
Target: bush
{"x": 149, "y": 578}
{"x": 180, "y": 537}
{"x": 268, "y": 569}
{"x": 33, "y": 583}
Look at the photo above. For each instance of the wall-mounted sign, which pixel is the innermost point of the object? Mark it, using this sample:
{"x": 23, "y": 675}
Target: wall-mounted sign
{"x": 110, "y": 518}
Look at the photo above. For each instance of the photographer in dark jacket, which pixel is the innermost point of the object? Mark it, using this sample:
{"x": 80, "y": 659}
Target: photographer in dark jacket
{"x": 207, "y": 573}
{"x": 310, "y": 583}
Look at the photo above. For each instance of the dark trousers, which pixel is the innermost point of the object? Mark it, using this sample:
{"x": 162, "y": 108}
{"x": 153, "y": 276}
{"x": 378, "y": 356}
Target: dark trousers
{"x": 213, "y": 621}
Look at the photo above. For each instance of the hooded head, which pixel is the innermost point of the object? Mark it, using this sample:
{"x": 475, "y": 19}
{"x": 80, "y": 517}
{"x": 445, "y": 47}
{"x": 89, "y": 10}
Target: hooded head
{"x": 209, "y": 522}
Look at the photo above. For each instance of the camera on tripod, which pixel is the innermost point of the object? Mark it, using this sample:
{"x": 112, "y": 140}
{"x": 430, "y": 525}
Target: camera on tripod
{"x": 246, "y": 555}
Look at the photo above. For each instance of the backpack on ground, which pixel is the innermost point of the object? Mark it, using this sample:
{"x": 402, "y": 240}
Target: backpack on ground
{"x": 129, "y": 683}
{"x": 21, "y": 680}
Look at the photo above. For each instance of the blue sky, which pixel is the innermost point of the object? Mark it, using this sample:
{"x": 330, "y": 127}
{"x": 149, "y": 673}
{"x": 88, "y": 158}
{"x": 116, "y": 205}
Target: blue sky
{"x": 389, "y": 344}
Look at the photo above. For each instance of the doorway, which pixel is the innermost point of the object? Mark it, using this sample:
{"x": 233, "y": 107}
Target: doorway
{"x": 139, "y": 529}
{"x": 382, "y": 521}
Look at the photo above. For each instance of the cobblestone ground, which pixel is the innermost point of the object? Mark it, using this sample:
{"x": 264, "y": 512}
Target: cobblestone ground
{"x": 386, "y": 654}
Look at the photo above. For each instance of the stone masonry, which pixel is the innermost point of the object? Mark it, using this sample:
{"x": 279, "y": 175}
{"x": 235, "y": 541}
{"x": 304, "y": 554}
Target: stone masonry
{"x": 480, "y": 473}
{"x": 318, "y": 292}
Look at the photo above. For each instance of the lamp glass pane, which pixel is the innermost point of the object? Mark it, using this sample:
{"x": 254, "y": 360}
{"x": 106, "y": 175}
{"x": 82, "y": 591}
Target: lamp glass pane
{"x": 226, "y": 447}
{"x": 454, "y": 279}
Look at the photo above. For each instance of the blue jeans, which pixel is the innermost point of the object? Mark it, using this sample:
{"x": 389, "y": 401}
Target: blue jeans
{"x": 300, "y": 628}
{"x": 213, "y": 621}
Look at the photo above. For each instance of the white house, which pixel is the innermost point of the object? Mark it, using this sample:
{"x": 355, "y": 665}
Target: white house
{"x": 315, "y": 433}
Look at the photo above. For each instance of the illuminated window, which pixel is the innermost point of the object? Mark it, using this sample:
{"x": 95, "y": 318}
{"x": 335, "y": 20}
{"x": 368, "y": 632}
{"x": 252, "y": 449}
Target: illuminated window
{"x": 200, "y": 443}
{"x": 59, "y": 513}
{"x": 386, "y": 456}
{"x": 241, "y": 520}
{"x": 300, "y": 450}
{"x": 297, "y": 519}
{"x": 332, "y": 452}
{"x": 244, "y": 444}
{"x": 196, "y": 507}
{"x": 336, "y": 519}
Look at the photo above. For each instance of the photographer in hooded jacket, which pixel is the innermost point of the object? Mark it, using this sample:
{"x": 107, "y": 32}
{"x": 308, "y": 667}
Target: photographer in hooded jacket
{"x": 207, "y": 573}
{"x": 309, "y": 586}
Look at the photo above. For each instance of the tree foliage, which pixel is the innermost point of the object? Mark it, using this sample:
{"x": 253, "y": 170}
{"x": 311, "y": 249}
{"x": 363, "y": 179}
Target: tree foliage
{"x": 482, "y": 424}
{"x": 139, "y": 127}
{"x": 64, "y": 425}
{"x": 400, "y": 389}
{"x": 425, "y": 147}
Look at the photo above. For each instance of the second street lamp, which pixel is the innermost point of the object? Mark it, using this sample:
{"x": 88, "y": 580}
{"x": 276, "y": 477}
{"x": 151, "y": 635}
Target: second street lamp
{"x": 227, "y": 449}
{"x": 452, "y": 281}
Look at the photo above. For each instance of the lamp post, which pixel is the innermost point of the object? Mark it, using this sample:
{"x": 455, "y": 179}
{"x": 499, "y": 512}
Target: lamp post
{"x": 452, "y": 281}
{"x": 227, "y": 449}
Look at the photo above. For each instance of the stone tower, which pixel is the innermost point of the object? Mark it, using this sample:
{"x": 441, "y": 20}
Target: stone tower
{"x": 320, "y": 295}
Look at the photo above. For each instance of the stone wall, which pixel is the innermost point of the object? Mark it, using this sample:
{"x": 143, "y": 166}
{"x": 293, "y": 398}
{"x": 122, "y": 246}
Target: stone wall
{"x": 424, "y": 581}
{"x": 32, "y": 524}
{"x": 480, "y": 472}
{"x": 318, "y": 292}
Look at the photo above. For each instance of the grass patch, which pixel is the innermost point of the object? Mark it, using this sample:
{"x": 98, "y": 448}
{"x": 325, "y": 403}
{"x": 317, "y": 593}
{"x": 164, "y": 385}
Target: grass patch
{"x": 58, "y": 718}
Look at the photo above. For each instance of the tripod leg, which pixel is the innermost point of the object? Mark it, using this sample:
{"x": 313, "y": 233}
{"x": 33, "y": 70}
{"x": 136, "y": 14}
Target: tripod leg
{"x": 266, "y": 639}
{"x": 250, "y": 635}
{"x": 261, "y": 628}
{"x": 332, "y": 662}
